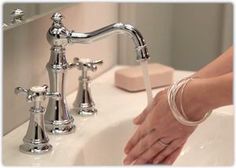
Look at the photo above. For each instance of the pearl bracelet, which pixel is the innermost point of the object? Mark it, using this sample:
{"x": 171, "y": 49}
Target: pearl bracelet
{"x": 180, "y": 115}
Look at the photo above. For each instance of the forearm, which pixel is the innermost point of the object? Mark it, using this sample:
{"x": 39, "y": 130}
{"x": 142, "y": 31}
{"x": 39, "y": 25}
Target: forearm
{"x": 203, "y": 95}
{"x": 218, "y": 91}
{"x": 221, "y": 65}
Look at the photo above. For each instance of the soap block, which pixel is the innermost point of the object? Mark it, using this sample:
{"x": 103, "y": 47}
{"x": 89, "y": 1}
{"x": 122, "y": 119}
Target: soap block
{"x": 131, "y": 78}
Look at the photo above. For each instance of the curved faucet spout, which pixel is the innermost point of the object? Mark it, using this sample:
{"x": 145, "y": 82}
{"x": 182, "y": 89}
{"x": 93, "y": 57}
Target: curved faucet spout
{"x": 59, "y": 36}
{"x": 140, "y": 45}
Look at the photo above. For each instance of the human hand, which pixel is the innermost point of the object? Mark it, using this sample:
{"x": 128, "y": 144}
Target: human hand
{"x": 159, "y": 137}
{"x": 141, "y": 117}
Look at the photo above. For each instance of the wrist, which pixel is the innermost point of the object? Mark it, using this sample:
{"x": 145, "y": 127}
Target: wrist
{"x": 194, "y": 104}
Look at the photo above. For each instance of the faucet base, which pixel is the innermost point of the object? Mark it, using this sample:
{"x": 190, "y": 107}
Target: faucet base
{"x": 60, "y": 128}
{"x": 62, "y": 131}
{"x": 85, "y": 111}
{"x": 30, "y": 148}
{"x": 57, "y": 118}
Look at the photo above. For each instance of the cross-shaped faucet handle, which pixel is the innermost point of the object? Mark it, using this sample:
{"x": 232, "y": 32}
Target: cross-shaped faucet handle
{"x": 86, "y": 63}
{"x": 37, "y": 93}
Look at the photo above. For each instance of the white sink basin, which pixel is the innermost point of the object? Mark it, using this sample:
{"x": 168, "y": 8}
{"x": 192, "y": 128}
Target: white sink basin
{"x": 106, "y": 147}
{"x": 100, "y": 140}
{"x": 210, "y": 145}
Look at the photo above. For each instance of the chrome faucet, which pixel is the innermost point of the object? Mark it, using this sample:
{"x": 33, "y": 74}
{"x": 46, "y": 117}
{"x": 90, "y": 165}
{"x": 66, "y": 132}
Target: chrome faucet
{"x": 60, "y": 36}
{"x": 17, "y": 16}
{"x": 57, "y": 117}
{"x": 84, "y": 104}
{"x": 36, "y": 140}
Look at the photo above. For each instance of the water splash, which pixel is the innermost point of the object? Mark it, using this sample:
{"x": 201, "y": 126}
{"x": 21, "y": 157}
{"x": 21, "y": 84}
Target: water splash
{"x": 147, "y": 84}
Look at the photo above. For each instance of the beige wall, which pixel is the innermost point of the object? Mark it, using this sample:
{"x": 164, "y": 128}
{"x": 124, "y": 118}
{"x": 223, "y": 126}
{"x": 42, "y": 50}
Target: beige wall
{"x": 197, "y": 34}
{"x": 185, "y": 36}
{"x": 227, "y": 33}
{"x": 26, "y": 52}
{"x": 154, "y": 21}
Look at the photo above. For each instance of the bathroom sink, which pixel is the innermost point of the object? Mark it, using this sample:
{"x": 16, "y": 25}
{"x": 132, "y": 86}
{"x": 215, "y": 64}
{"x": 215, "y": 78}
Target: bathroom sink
{"x": 106, "y": 147}
{"x": 210, "y": 145}
{"x": 100, "y": 139}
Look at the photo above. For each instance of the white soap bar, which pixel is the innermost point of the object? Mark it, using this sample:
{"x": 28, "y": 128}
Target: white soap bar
{"x": 131, "y": 78}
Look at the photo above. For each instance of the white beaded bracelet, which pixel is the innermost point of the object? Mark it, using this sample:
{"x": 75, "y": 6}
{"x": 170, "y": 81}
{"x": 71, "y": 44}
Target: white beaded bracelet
{"x": 180, "y": 115}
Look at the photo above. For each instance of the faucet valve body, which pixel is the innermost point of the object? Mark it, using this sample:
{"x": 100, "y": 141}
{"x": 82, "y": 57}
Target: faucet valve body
{"x": 57, "y": 117}
{"x": 84, "y": 104}
{"x": 36, "y": 140}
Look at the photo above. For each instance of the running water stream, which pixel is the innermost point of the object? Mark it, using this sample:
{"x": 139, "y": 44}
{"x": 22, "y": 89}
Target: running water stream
{"x": 147, "y": 83}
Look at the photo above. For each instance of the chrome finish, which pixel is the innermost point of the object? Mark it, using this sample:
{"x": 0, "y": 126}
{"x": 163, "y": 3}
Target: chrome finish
{"x": 135, "y": 35}
{"x": 36, "y": 140}
{"x": 58, "y": 35}
{"x": 84, "y": 104}
{"x": 4, "y": 26}
{"x": 57, "y": 117}
{"x": 17, "y": 16}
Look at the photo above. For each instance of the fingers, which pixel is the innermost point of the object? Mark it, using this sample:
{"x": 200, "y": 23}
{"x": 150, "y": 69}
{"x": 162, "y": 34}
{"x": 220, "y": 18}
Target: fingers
{"x": 143, "y": 145}
{"x": 169, "y": 160}
{"x": 141, "y": 117}
{"x": 148, "y": 155}
{"x": 139, "y": 133}
{"x": 145, "y": 128}
{"x": 167, "y": 151}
